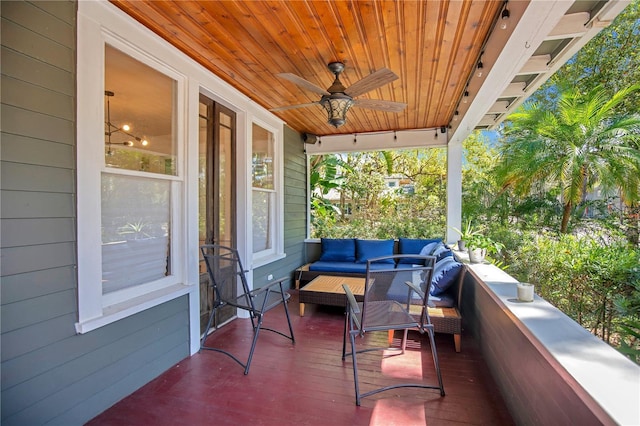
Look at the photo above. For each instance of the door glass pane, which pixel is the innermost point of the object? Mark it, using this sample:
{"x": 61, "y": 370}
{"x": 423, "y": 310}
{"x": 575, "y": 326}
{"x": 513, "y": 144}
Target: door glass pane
{"x": 139, "y": 116}
{"x": 225, "y": 176}
{"x": 202, "y": 175}
{"x": 135, "y": 230}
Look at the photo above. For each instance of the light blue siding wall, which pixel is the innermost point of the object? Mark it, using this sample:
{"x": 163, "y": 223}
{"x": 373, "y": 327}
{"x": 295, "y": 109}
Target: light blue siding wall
{"x": 50, "y": 374}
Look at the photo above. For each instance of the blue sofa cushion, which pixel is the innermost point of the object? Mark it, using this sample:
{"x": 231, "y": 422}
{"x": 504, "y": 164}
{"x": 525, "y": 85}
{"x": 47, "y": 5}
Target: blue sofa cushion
{"x": 445, "y": 300}
{"x": 445, "y": 274}
{"x": 441, "y": 251}
{"x": 414, "y": 246}
{"x": 346, "y": 267}
{"x": 399, "y": 291}
{"x": 368, "y": 249}
{"x": 338, "y": 250}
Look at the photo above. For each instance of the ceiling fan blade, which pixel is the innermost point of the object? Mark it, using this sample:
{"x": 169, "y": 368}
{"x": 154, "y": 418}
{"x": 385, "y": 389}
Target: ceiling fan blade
{"x": 387, "y": 106}
{"x": 303, "y": 83}
{"x": 284, "y": 108}
{"x": 372, "y": 81}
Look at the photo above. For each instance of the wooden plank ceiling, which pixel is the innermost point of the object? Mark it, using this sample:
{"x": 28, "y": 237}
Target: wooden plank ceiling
{"x": 433, "y": 47}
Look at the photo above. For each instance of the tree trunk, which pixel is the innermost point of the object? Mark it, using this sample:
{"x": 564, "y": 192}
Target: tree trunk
{"x": 566, "y": 214}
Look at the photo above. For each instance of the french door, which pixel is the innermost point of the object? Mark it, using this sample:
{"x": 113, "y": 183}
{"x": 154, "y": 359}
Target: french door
{"x": 217, "y": 141}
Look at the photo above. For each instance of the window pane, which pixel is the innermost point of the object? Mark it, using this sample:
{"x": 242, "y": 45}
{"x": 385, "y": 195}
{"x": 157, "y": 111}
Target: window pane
{"x": 262, "y": 205}
{"x": 135, "y": 231}
{"x": 139, "y": 116}
{"x": 262, "y": 160}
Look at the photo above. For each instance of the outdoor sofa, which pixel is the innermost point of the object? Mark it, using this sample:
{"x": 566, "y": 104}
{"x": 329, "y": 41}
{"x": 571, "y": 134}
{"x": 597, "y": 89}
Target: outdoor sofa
{"x": 348, "y": 257}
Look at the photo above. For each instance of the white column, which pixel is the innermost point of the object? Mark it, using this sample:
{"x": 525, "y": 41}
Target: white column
{"x": 454, "y": 188}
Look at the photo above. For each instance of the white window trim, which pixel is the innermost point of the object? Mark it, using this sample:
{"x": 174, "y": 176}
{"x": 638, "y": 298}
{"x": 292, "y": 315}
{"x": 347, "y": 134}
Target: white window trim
{"x": 94, "y": 309}
{"x": 277, "y": 251}
{"x": 93, "y": 16}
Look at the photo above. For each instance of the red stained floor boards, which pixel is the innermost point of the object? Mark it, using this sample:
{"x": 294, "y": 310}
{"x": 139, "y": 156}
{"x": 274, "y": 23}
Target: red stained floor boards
{"x": 309, "y": 384}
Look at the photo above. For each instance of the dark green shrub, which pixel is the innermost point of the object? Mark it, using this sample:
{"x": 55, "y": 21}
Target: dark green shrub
{"x": 581, "y": 276}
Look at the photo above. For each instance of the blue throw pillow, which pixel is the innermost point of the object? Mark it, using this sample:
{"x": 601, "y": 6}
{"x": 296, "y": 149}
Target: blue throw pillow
{"x": 368, "y": 249}
{"x": 415, "y": 246}
{"x": 338, "y": 250}
{"x": 441, "y": 252}
{"x": 428, "y": 249}
{"x": 444, "y": 275}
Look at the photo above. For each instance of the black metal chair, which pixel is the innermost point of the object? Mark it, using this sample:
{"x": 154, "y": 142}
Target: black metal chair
{"x": 227, "y": 278}
{"x": 383, "y": 310}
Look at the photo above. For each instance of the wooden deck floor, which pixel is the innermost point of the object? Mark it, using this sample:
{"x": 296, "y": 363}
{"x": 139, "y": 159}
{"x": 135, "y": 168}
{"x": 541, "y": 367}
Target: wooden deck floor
{"x": 309, "y": 384}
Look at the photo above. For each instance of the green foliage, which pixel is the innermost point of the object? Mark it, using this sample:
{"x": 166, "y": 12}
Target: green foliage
{"x": 481, "y": 241}
{"x": 479, "y": 188}
{"x": 611, "y": 60}
{"x": 629, "y": 307}
{"x": 630, "y": 340}
{"x": 468, "y": 231}
{"x": 582, "y": 275}
{"x": 584, "y": 144}
{"x": 350, "y": 196}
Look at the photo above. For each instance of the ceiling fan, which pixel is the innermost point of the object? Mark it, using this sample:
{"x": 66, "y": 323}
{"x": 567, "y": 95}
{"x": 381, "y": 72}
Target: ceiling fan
{"x": 337, "y": 99}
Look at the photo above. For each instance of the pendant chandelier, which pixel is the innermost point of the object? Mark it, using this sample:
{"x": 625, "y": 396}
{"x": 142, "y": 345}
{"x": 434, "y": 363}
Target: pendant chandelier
{"x": 111, "y": 128}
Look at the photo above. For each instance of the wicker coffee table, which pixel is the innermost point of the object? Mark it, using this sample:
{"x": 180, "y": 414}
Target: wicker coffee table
{"x": 327, "y": 290}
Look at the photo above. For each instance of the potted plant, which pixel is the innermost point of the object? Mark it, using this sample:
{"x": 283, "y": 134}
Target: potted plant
{"x": 465, "y": 235}
{"x": 479, "y": 245}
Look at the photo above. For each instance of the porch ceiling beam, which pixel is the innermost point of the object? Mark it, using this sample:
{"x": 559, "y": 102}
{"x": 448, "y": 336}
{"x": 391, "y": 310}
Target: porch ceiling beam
{"x": 571, "y": 25}
{"x": 379, "y": 141}
{"x": 535, "y": 65}
{"x": 499, "y": 107}
{"x": 488, "y": 120}
{"x": 514, "y": 89}
{"x": 599, "y": 21}
{"x": 536, "y": 22}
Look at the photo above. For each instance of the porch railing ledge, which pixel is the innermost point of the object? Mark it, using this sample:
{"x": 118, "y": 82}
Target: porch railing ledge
{"x": 550, "y": 369}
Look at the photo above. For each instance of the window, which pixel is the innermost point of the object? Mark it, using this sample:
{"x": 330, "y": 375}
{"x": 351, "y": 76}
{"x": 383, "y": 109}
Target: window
{"x": 136, "y": 210}
{"x": 267, "y": 239}
{"x": 130, "y": 255}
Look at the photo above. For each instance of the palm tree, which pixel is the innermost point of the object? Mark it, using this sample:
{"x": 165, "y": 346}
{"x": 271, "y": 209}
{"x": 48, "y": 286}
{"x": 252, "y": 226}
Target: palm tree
{"x": 582, "y": 145}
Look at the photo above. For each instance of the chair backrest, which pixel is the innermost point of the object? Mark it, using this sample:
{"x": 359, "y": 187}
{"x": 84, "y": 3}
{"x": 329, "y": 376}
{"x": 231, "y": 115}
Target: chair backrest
{"x": 386, "y": 280}
{"x": 225, "y": 272}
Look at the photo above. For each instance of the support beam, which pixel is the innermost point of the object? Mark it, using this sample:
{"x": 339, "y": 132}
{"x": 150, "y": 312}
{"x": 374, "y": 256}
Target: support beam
{"x": 488, "y": 120}
{"x": 454, "y": 189}
{"x": 499, "y": 107}
{"x": 570, "y": 26}
{"x": 514, "y": 89}
{"x": 536, "y": 65}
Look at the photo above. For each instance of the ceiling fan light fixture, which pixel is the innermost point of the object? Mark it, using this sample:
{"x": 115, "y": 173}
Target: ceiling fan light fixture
{"x": 337, "y": 105}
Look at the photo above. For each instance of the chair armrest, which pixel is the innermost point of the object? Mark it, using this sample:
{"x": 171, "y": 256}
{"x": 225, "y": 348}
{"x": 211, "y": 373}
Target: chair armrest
{"x": 268, "y": 287}
{"x": 353, "y": 306}
{"x": 415, "y": 288}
